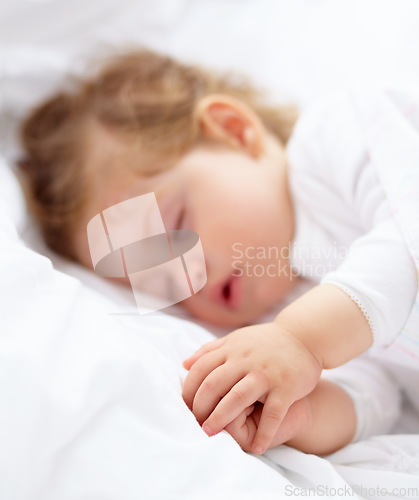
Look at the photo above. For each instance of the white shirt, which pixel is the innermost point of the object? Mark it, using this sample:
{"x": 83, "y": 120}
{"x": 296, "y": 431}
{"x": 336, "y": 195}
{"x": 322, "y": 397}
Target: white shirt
{"x": 345, "y": 231}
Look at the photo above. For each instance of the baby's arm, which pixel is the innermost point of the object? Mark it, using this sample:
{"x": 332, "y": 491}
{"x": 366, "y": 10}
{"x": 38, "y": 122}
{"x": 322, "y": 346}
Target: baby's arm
{"x": 320, "y": 423}
{"x": 277, "y": 363}
{"x": 329, "y": 323}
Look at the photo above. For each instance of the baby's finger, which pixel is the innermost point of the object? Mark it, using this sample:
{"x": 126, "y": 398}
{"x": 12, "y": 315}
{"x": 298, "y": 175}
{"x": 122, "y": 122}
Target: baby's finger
{"x": 215, "y": 386}
{"x": 198, "y": 373}
{"x": 210, "y": 346}
{"x": 274, "y": 411}
{"x": 243, "y": 429}
{"x": 246, "y": 392}
{"x": 240, "y": 421}
{"x": 248, "y": 411}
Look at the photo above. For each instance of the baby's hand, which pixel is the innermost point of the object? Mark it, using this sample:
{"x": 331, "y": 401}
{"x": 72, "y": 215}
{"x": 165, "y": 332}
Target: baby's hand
{"x": 263, "y": 363}
{"x": 296, "y": 422}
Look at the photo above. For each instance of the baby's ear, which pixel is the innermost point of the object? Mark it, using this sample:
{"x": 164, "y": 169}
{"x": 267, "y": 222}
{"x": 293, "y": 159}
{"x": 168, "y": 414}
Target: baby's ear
{"x": 232, "y": 122}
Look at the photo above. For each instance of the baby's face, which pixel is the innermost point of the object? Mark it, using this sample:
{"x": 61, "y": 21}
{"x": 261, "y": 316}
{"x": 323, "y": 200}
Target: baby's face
{"x": 241, "y": 209}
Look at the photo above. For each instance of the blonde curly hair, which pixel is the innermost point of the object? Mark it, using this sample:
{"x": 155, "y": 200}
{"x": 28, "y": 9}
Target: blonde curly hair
{"x": 135, "y": 94}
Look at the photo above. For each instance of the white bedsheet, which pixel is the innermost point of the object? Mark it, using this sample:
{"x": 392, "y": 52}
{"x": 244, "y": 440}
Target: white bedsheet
{"x": 90, "y": 399}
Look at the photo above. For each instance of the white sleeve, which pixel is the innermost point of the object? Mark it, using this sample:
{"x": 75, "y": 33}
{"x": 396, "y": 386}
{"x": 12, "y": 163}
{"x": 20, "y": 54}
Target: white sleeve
{"x": 380, "y": 276}
{"x": 375, "y": 394}
{"x": 340, "y": 199}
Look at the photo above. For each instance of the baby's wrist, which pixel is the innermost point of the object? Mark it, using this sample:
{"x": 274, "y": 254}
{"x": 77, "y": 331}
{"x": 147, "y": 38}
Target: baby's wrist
{"x": 301, "y": 336}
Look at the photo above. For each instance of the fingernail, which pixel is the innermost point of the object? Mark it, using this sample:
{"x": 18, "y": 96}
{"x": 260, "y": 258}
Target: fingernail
{"x": 207, "y": 430}
{"x": 258, "y": 450}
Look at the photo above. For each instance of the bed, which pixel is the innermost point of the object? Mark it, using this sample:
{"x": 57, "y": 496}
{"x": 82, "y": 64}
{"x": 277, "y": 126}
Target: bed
{"x": 90, "y": 389}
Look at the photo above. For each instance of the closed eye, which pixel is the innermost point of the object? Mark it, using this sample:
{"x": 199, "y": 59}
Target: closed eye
{"x": 180, "y": 219}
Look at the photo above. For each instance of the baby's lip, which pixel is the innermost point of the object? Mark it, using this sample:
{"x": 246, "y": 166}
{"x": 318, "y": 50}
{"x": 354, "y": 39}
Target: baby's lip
{"x": 228, "y": 293}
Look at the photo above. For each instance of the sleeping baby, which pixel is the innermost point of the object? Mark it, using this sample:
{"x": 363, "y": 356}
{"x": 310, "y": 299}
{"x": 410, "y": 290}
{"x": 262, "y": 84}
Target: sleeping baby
{"x": 331, "y": 197}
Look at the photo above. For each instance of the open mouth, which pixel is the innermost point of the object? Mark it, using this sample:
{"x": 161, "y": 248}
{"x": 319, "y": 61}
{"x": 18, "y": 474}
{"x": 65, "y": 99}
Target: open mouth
{"x": 228, "y": 293}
